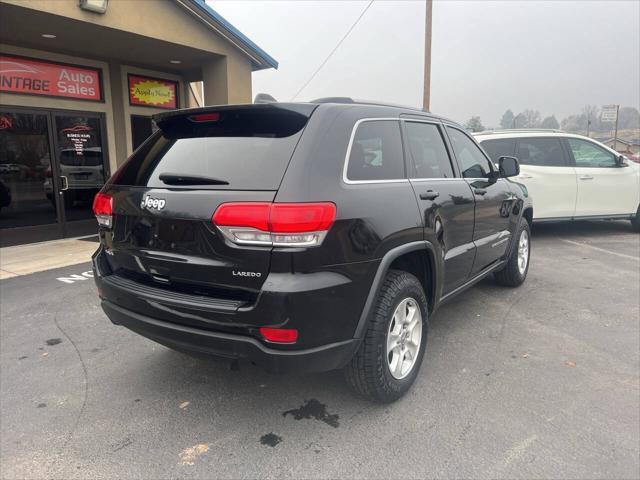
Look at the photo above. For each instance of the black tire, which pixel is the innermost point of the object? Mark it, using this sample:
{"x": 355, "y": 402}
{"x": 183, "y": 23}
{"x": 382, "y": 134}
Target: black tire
{"x": 635, "y": 221}
{"x": 510, "y": 275}
{"x": 369, "y": 373}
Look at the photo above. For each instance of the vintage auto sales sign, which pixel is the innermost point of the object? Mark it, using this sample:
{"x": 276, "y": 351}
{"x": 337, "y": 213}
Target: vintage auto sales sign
{"x": 153, "y": 92}
{"x": 38, "y": 77}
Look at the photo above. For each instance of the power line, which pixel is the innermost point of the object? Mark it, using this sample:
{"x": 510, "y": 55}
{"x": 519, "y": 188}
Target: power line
{"x": 333, "y": 51}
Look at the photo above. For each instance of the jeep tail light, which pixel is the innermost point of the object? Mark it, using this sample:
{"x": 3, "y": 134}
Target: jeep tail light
{"x": 103, "y": 209}
{"x": 276, "y": 224}
{"x": 279, "y": 335}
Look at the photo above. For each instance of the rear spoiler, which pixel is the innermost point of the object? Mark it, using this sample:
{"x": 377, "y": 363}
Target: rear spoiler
{"x": 263, "y": 119}
{"x": 305, "y": 109}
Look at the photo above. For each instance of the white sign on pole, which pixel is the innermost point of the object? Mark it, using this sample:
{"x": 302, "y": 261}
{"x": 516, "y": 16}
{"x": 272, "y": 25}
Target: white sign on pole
{"x": 609, "y": 113}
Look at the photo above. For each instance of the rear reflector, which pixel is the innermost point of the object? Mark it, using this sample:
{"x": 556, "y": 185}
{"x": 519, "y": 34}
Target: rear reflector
{"x": 103, "y": 209}
{"x": 279, "y": 335}
{"x": 277, "y": 224}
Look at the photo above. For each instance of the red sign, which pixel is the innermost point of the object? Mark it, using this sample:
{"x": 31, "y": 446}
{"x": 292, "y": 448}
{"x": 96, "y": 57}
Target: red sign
{"x": 5, "y": 122}
{"x": 37, "y": 77}
{"x": 153, "y": 92}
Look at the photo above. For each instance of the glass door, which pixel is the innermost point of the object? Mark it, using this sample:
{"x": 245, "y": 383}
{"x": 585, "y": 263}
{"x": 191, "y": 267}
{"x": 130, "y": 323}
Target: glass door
{"x": 81, "y": 164}
{"x": 28, "y": 200}
{"x": 52, "y": 163}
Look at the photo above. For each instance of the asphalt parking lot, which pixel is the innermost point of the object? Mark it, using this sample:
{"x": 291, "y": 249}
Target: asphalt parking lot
{"x": 540, "y": 381}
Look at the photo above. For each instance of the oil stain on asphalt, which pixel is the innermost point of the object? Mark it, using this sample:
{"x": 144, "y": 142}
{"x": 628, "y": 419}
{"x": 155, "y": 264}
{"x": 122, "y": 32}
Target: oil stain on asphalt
{"x": 314, "y": 409}
{"x": 270, "y": 439}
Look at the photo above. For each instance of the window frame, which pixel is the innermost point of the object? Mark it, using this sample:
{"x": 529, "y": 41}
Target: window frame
{"x": 561, "y": 140}
{"x": 572, "y": 158}
{"x": 345, "y": 166}
{"x": 410, "y": 167}
{"x": 492, "y": 166}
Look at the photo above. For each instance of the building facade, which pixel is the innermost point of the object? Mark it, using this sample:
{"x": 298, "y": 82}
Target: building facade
{"x": 79, "y": 81}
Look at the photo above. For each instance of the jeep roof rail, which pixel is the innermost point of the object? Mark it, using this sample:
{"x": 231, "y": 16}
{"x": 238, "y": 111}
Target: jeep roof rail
{"x": 519, "y": 130}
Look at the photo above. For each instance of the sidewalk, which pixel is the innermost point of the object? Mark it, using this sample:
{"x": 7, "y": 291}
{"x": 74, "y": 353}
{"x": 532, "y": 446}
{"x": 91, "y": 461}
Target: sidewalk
{"x": 36, "y": 257}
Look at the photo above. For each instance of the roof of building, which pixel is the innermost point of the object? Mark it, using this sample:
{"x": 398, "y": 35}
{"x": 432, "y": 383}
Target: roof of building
{"x": 632, "y": 141}
{"x": 261, "y": 58}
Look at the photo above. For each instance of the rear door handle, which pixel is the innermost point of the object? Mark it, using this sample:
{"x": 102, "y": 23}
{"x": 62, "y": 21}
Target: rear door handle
{"x": 525, "y": 175}
{"x": 479, "y": 191}
{"x": 429, "y": 195}
{"x": 586, "y": 177}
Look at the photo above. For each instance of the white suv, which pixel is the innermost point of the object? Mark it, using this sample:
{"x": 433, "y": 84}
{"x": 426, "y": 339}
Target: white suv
{"x": 569, "y": 176}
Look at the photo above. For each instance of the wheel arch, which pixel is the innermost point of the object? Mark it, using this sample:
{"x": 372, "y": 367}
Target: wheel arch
{"x": 527, "y": 214}
{"x": 417, "y": 258}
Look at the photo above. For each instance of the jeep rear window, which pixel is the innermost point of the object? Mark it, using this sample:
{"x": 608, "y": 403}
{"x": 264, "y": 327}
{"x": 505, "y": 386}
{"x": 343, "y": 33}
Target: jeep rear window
{"x": 246, "y": 149}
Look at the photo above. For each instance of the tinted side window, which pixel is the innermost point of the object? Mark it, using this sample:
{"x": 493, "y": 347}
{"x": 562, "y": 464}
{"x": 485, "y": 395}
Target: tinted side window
{"x": 542, "y": 152}
{"x": 473, "y": 163}
{"x": 499, "y": 148}
{"x": 589, "y": 155}
{"x": 429, "y": 157}
{"x": 376, "y": 152}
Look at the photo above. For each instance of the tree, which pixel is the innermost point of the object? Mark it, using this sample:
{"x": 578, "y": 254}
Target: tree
{"x": 519, "y": 121}
{"x": 628, "y": 118}
{"x": 475, "y": 124}
{"x": 507, "y": 119}
{"x": 530, "y": 118}
{"x": 550, "y": 122}
{"x": 575, "y": 123}
{"x": 591, "y": 115}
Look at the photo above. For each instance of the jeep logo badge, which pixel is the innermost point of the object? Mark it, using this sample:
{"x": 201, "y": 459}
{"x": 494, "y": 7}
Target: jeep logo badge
{"x": 150, "y": 202}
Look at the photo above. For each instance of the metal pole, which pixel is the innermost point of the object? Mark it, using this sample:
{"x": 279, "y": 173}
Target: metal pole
{"x": 426, "y": 99}
{"x": 615, "y": 135}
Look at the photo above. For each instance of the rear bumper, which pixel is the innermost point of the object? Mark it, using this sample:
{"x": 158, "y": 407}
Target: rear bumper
{"x": 230, "y": 346}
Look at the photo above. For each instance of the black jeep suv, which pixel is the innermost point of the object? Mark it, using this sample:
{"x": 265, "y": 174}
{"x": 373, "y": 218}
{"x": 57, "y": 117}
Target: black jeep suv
{"x": 306, "y": 236}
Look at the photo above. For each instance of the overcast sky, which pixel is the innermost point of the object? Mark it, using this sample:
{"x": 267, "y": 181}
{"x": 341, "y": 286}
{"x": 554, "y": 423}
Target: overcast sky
{"x": 551, "y": 56}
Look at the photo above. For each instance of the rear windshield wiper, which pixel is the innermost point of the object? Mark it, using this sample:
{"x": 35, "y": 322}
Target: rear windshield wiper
{"x": 177, "y": 179}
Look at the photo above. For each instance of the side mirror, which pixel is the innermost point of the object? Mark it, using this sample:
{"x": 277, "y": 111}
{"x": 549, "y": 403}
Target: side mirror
{"x": 620, "y": 161}
{"x": 508, "y": 167}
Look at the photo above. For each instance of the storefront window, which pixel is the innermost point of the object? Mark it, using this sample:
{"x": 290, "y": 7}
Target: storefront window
{"x": 141, "y": 128}
{"x": 26, "y": 181}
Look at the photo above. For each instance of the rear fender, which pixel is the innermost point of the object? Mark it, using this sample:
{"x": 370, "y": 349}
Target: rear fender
{"x": 383, "y": 268}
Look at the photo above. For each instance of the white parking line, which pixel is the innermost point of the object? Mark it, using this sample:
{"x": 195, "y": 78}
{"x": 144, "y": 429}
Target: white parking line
{"x": 73, "y": 278}
{"x": 579, "y": 244}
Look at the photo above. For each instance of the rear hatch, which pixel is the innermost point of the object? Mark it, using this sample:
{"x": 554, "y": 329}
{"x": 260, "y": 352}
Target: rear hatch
{"x": 164, "y": 196}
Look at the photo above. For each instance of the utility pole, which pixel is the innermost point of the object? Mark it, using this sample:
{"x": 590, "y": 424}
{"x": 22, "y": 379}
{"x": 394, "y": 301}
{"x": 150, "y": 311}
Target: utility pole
{"x": 426, "y": 99}
{"x": 615, "y": 135}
